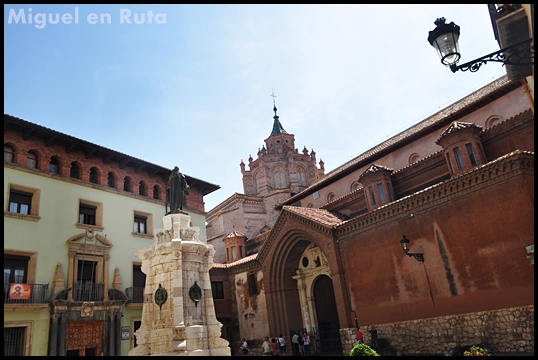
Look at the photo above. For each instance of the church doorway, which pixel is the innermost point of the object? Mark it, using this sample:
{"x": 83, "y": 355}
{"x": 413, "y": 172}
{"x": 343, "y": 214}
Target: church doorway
{"x": 84, "y": 338}
{"x": 327, "y": 316}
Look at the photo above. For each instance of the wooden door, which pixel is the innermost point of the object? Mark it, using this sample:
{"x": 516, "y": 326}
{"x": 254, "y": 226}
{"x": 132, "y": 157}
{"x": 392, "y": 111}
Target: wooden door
{"x": 84, "y": 338}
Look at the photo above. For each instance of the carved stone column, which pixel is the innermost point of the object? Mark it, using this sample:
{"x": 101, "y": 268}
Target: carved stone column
{"x": 53, "y": 335}
{"x": 71, "y": 273}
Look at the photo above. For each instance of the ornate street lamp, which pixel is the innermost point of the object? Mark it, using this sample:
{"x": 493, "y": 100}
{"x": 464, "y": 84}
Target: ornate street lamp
{"x": 444, "y": 38}
{"x": 405, "y": 247}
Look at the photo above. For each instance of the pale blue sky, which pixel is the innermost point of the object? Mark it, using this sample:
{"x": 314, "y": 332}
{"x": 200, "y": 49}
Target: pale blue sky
{"x": 195, "y": 91}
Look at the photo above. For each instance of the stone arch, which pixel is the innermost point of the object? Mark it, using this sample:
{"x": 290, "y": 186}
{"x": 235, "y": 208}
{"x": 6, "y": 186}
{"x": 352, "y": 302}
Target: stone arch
{"x": 9, "y": 152}
{"x": 95, "y": 175}
{"x": 413, "y": 158}
{"x": 281, "y": 266}
{"x": 33, "y": 156}
{"x": 492, "y": 121}
{"x": 75, "y": 170}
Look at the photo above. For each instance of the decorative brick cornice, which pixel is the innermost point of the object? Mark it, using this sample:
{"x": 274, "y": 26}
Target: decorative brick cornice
{"x": 513, "y": 164}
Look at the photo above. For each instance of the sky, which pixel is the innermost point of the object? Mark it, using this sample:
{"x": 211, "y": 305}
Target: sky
{"x": 190, "y": 85}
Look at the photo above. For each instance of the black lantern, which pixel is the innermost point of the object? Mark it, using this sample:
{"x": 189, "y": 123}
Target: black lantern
{"x": 444, "y": 38}
{"x": 405, "y": 247}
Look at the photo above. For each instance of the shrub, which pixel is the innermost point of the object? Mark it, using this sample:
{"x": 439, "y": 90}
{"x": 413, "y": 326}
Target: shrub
{"x": 363, "y": 350}
{"x": 476, "y": 351}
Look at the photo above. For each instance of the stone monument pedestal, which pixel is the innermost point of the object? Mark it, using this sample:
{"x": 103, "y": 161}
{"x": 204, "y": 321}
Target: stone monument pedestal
{"x": 178, "y": 314}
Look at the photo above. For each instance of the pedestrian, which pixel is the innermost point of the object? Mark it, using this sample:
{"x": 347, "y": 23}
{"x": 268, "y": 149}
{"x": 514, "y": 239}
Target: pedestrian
{"x": 282, "y": 343}
{"x": 306, "y": 343}
{"x": 295, "y": 344}
{"x": 266, "y": 347}
{"x": 373, "y": 337}
{"x": 359, "y": 338}
{"x": 301, "y": 343}
{"x": 275, "y": 347}
{"x": 244, "y": 347}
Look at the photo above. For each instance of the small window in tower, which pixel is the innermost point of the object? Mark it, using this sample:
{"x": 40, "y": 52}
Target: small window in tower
{"x": 459, "y": 159}
{"x": 252, "y": 285}
{"x": 449, "y": 163}
{"x": 381, "y": 193}
{"x": 372, "y": 195}
{"x": 390, "y": 192}
{"x": 240, "y": 252}
{"x": 471, "y": 154}
{"x": 234, "y": 253}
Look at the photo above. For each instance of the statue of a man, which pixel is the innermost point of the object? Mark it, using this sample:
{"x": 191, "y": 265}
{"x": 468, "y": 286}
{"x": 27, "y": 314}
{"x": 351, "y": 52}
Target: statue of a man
{"x": 178, "y": 188}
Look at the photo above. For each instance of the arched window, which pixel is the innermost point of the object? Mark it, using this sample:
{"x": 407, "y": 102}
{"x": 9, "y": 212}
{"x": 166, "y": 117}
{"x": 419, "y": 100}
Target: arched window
{"x": 8, "y": 154}
{"x": 75, "y": 171}
{"x": 110, "y": 181}
{"x": 141, "y": 189}
{"x": 331, "y": 197}
{"x": 301, "y": 175}
{"x": 492, "y": 121}
{"x": 94, "y": 175}
{"x": 127, "y": 184}
{"x": 355, "y": 186}
{"x": 31, "y": 160}
{"x": 54, "y": 165}
{"x": 156, "y": 192}
{"x": 280, "y": 178}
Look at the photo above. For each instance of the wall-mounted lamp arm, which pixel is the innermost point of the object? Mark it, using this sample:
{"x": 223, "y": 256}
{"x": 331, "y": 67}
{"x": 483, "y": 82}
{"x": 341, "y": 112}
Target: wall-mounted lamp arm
{"x": 517, "y": 54}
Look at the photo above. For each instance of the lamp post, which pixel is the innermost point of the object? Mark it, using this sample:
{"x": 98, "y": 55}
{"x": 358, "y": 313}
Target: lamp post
{"x": 444, "y": 38}
{"x": 405, "y": 247}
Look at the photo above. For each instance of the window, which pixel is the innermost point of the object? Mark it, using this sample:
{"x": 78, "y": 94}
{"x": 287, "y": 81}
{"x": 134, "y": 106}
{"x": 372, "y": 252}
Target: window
{"x": 15, "y": 269}
{"x": 54, "y": 165}
{"x": 470, "y": 152}
{"x": 413, "y": 158}
{"x": 127, "y": 184}
{"x": 156, "y": 192}
{"x": 75, "y": 171}
{"x": 390, "y": 192}
{"x": 90, "y": 214}
{"x": 110, "y": 181}
{"x": 141, "y": 189}
{"x": 94, "y": 175}
{"x": 23, "y": 201}
{"x": 234, "y": 253}
{"x": 331, "y": 197}
{"x": 315, "y": 195}
{"x": 140, "y": 224}
{"x": 240, "y": 252}
{"x": 355, "y": 186}
{"x": 14, "y": 341}
{"x": 139, "y": 278}
{"x": 449, "y": 163}
{"x": 31, "y": 160}
{"x": 217, "y": 289}
{"x": 459, "y": 160}
{"x": 301, "y": 176}
{"x": 252, "y": 284}
{"x": 8, "y": 154}
{"x": 20, "y": 202}
{"x": 372, "y": 194}
{"x": 87, "y": 214}
{"x": 280, "y": 179}
{"x": 381, "y": 193}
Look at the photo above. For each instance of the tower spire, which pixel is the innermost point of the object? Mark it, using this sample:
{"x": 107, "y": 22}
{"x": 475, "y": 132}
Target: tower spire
{"x": 277, "y": 126}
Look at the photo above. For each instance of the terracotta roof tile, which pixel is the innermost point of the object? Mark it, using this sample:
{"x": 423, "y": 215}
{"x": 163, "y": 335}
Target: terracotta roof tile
{"x": 318, "y": 215}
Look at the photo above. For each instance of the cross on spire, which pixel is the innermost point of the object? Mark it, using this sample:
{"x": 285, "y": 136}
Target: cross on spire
{"x": 274, "y": 96}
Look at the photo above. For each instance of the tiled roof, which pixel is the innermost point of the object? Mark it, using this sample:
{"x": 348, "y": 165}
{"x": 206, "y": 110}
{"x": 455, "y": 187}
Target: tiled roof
{"x": 402, "y": 137}
{"x": 318, "y": 215}
{"x": 244, "y": 260}
{"x": 373, "y": 169}
{"x": 458, "y": 125}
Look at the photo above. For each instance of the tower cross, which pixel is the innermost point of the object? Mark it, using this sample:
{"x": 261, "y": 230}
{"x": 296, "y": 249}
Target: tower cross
{"x": 274, "y": 96}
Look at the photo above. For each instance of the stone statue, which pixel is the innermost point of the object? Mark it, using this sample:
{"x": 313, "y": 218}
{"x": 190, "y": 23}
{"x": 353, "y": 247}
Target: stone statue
{"x": 178, "y": 188}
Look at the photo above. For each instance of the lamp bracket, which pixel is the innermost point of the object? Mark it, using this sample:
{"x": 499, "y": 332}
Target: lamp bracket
{"x": 517, "y": 54}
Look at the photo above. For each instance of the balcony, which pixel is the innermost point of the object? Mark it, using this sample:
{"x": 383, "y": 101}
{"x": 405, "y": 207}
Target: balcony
{"x": 28, "y": 294}
{"x": 135, "y": 294}
{"x": 88, "y": 291}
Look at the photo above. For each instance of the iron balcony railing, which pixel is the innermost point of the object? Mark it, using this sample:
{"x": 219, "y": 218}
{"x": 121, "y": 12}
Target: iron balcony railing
{"x": 85, "y": 291}
{"x": 26, "y": 293}
{"x": 135, "y": 294}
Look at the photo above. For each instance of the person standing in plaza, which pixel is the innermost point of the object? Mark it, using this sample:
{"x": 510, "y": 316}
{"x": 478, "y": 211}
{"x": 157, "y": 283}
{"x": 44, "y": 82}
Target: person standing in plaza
{"x": 301, "y": 343}
{"x": 359, "y": 338}
{"x": 373, "y": 335}
{"x": 306, "y": 339}
{"x": 295, "y": 344}
{"x": 266, "y": 347}
{"x": 275, "y": 347}
{"x": 282, "y": 343}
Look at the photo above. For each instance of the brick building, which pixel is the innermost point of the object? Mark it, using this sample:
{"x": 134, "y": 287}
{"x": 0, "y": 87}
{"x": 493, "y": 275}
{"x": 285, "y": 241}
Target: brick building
{"x": 459, "y": 185}
{"x": 75, "y": 214}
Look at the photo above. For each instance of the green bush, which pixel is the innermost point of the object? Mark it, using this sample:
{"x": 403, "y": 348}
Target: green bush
{"x": 363, "y": 350}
